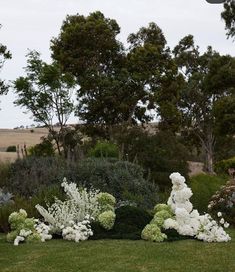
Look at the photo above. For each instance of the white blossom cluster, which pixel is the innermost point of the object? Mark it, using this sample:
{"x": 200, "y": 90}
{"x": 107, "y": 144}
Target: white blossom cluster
{"x": 188, "y": 221}
{"x": 79, "y": 204}
{"x": 43, "y": 230}
{"x": 22, "y": 236}
{"x": 77, "y": 231}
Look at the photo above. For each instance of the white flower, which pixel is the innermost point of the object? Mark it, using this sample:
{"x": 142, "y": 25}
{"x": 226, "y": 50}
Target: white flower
{"x": 219, "y": 214}
{"x": 226, "y": 225}
{"x": 222, "y": 221}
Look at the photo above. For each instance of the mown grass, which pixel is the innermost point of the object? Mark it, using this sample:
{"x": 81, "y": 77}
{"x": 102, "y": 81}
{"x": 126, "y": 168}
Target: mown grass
{"x": 118, "y": 256}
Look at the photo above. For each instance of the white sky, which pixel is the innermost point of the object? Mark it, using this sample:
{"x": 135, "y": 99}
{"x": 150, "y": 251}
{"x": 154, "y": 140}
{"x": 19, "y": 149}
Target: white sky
{"x": 30, "y": 24}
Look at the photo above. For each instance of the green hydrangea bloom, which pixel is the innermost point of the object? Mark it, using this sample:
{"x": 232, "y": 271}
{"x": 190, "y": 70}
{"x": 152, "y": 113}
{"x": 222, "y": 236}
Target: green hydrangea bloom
{"x": 106, "y": 199}
{"x": 162, "y": 207}
{"x": 34, "y": 237}
{"x": 16, "y": 220}
{"x": 107, "y": 219}
{"x": 159, "y": 221}
{"x": 106, "y": 208}
{"x": 11, "y": 236}
{"x": 29, "y": 224}
{"x": 153, "y": 233}
{"x": 163, "y": 214}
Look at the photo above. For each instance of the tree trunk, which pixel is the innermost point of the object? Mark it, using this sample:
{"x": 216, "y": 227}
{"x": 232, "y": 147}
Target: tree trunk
{"x": 208, "y": 143}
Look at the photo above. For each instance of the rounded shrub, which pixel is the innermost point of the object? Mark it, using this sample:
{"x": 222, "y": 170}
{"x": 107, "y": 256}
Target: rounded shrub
{"x": 224, "y": 201}
{"x": 223, "y": 166}
{"x": 129, "y": 224}
{"x": 104, "y": 149}
{"x": 122, "y": 179}
{"x": 203, "y": 187}
{"x": 11, "y": 148}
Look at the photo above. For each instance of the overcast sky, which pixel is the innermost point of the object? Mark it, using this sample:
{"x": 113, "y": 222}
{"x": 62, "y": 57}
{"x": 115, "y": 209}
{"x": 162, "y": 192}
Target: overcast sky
{"x": 30, "y": 24}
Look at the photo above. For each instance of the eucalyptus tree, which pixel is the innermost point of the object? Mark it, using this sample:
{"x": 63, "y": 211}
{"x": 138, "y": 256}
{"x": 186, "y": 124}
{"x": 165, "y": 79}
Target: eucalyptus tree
{"x": 117, "y": 85}
{"x": 209, "y": 79}
{"x": 46, "y": 92}
{"x": 4, "y": 55}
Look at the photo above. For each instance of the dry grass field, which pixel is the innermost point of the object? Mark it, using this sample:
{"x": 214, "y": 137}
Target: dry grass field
{"x": 19, "y": 137}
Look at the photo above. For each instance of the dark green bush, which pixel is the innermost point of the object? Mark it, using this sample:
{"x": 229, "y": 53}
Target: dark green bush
{"x": 29, "y": 175}
{"x": 4, "y": 173}
{"x": 44, "y": 149}
{"x": 11, "y": 148}
{"x": 122, "y": 179}
{"x": 222, "y": 167}
{"x": 129, "y": 224}
{"x": 203, "y": 187}
{"x": 159, "y": 154}
{"x": 104, "y": 149}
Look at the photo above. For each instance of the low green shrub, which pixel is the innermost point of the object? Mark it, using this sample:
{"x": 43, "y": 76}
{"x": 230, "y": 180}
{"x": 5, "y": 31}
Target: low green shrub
{"x": 222, "y": 167}
{"x": 122, "y": 179}
{"x": 104, "y": 149}
{"x": 11, "y": 148}
{"x": 129, "y": 224}
{"x": 4, "y": 173}
{"x": 203, "y": 187}
{"x": 43, "y": 149}
{"x": 29, "y": 175}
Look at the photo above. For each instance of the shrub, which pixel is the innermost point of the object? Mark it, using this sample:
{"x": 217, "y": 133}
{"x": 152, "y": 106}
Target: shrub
{"x": 4, "y": 173}
{"x": 107, "y": 219}
{"x": 153, "y": 233}
{"x": 224, "y": 201}
{"x": 222, "y": 167}
{"x": 203, "y": 187}
{"x": 159, "y": 154}
{"x": 5, "y": 197}
{"x": 44, "y": 149}
{"x": 122, "y": 179}
{"x": 29, "y": 175}
{"x": 104, "y": 149}
{"x": 129, "y": 224}
{"x": 11, "y": 148}
{"x": 43, "y": 197}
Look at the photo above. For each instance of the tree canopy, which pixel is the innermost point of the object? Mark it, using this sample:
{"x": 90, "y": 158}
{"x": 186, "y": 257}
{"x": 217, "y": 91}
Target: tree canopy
{"x": 46, "y": 93}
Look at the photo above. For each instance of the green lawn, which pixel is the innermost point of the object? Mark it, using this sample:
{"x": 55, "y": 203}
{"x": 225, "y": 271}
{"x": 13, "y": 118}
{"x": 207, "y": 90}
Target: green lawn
{"x": 118, "y": 255}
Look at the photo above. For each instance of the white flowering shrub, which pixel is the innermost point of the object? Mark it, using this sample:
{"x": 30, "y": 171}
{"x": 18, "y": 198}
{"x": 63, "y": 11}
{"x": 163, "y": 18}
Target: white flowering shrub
{"x": 71, "y": 218}
{"x": 78, "y": 231}
{"x": 24, "y": 229}
{"x": 179, "y": 215}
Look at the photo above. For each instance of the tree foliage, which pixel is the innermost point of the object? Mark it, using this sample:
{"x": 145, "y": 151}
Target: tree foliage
{"x": 117, "y": 85}
{"x": 4, "y": 55}
{"x": 46, "y": 93}
{"x": 228, "y": 15}
{"x": 209, "y": 78}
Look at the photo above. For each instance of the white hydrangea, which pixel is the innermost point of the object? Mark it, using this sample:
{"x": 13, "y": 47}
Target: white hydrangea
{"x": 77, "y": 232}
{"x": 43, "y": 230}
{"x": 188, "y": 221}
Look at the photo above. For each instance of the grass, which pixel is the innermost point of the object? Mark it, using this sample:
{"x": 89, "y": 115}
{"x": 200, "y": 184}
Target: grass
{"x": 118, "y": 256}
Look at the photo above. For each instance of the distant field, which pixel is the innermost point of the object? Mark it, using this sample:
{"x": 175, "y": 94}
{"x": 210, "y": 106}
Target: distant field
{"x": 18, "y": 137}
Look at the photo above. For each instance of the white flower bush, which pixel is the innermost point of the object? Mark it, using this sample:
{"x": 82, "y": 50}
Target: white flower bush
{"x": 179, "y": 215}
{"x": 72, "y": 217}
{"x": 77, "y": 232}
{"x": 187, "y": 220}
